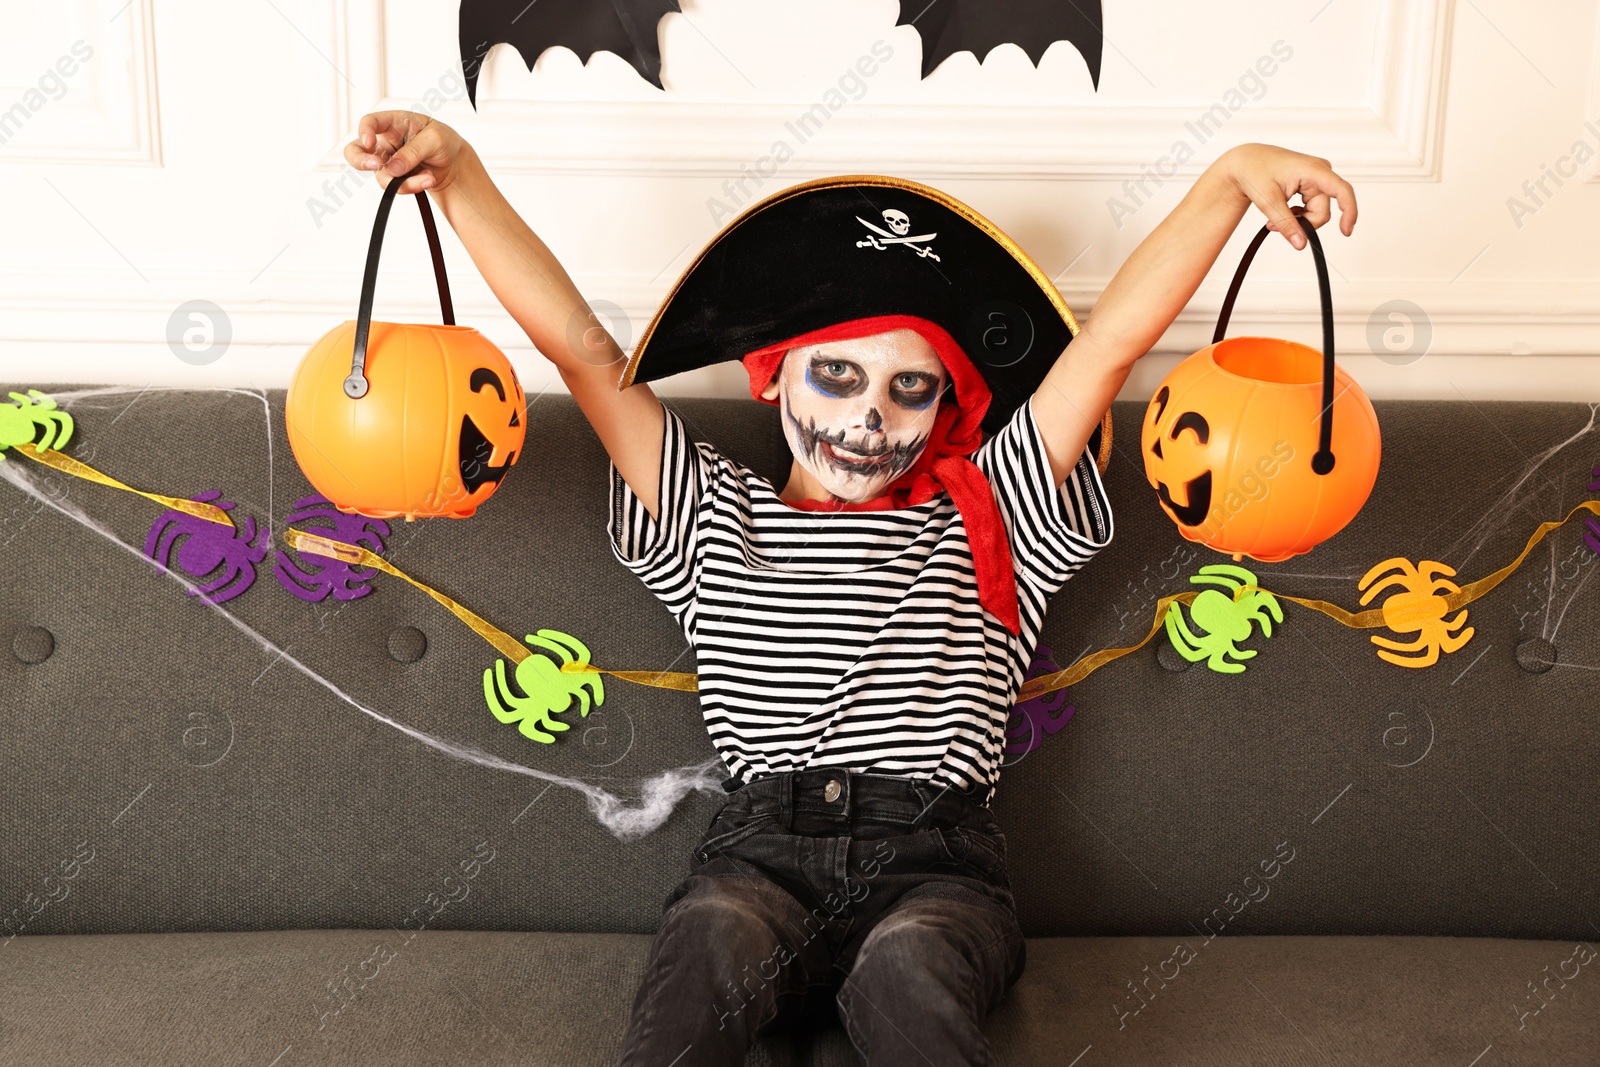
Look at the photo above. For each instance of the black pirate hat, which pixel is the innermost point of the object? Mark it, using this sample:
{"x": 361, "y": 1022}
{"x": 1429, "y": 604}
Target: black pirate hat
{"x": 857, "y": 246}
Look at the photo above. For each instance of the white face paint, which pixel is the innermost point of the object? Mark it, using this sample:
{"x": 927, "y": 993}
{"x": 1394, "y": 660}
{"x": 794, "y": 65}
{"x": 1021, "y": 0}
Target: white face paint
{"x": 858, "y": 413}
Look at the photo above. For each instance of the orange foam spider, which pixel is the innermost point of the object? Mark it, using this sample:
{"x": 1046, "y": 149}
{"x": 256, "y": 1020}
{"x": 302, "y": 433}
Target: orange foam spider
{"x": 1420, "y": 609}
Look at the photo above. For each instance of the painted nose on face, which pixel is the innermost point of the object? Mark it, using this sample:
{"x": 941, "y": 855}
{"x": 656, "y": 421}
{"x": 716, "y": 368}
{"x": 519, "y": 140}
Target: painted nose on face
{"x": 874, "y": 420}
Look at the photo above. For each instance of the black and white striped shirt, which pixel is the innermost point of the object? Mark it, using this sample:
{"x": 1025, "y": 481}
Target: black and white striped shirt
{"x": 855, "y": 639}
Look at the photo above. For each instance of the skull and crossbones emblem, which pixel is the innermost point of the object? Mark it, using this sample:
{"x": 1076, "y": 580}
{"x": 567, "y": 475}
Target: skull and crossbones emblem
{"x": 899, "y": 224}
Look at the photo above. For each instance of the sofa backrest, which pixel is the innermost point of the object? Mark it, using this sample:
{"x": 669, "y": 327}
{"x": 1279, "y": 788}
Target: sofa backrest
{"x": 164, "y": 766}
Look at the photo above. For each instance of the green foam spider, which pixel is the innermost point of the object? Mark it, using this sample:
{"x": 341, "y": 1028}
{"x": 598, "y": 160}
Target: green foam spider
{"x": 1227, "y": 618}
{"x": 545, "y": 690}
{"x": 20, "y": 422}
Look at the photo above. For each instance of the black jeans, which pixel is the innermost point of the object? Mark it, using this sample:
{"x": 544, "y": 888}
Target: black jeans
{"x": 886, "y": 892}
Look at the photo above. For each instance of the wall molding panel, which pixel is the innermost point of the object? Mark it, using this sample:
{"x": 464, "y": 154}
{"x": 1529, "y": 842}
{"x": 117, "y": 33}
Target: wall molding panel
{"x": 109, "y": 114}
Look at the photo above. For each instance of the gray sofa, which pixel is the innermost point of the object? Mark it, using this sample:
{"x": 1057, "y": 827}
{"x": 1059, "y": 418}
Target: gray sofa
{"x": 212, "y": 857}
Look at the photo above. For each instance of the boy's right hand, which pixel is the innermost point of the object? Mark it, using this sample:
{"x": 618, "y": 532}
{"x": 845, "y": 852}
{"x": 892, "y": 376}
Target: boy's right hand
{"x": 397, "y": 142}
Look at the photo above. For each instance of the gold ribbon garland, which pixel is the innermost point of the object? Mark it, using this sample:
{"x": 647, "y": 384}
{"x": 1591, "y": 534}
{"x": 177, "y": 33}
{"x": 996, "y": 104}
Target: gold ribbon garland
{"x": 1373, "y": 617}
{"x": 1365, "y": 620}
{"x": 503, "y": 642}
{"x": 357, "y": 556}
{"x": 681, "y": 681}
{"x": 68, "y": 465}
{"x": 1049, "y": 683}
{"x": 1034, "y": 687}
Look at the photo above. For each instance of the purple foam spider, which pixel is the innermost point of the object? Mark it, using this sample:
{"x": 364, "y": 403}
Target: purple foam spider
{"x": 313, "y": 581}
{"x": 1031, "y": 720}
{"x": 199, "y": 549}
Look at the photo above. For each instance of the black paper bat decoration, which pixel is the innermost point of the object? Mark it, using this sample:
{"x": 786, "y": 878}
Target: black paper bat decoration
{"x": 976, "y": 26}
{"x": 628, "y": 28}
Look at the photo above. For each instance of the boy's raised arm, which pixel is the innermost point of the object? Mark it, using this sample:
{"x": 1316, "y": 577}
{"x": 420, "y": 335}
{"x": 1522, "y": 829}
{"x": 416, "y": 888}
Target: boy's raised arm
{"x": 1163, "y": 273}
{"x": 527, "y": 278}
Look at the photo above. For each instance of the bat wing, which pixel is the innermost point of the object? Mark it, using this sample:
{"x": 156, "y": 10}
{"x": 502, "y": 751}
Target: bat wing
{"x": 977, "y": 26}
{"x": 625, "y": 27}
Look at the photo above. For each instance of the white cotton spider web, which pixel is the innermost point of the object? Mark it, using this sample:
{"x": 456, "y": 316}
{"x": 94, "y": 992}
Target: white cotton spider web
{"x": 628, "y": 822}
{"x": 1500, "y": 511}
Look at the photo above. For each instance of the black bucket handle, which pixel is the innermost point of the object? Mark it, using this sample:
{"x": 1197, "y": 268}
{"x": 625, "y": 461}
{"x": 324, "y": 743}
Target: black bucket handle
{"x": 1322, "y": 460}
{"x": 355, "y": 386}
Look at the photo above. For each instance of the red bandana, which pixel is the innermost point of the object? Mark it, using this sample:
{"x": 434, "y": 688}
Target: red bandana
{"x": 943, "y": 463}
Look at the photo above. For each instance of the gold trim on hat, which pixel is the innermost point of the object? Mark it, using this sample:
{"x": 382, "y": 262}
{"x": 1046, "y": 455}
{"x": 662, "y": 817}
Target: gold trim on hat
{"x": 1102, "y": 460}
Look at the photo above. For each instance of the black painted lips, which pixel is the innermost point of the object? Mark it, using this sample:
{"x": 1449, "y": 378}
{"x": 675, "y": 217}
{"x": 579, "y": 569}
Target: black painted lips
{"x": 859, "y": 462}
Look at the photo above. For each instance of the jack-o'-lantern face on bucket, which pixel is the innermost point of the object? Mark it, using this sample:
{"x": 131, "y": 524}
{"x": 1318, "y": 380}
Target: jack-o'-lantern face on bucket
{"x": 491, "y": 428}
{"x": 1179, "y": 442}
{"x": 1230, "y": 444}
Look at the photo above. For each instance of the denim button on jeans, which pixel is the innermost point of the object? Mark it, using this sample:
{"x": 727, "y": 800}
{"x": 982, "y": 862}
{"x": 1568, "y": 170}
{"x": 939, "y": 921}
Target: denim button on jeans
{"x": 886, "y": 894}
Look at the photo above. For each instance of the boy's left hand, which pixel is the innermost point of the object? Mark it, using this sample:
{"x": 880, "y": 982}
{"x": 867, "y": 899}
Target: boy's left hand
{"x": 1268, "y": 176}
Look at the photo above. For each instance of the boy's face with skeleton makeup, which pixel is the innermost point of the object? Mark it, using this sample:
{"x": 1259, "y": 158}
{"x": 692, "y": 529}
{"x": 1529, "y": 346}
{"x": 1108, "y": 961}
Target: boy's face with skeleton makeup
{"x": 858, "y": 413}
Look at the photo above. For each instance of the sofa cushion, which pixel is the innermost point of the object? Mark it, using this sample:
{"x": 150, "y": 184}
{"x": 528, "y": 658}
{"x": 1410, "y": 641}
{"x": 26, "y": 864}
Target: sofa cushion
{"x": 222, "y": 787}
{"x": 447, "y": 997}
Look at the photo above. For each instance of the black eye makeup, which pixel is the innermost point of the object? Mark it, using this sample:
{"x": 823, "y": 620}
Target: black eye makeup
{"x": 832, "y": 376}
{"x": 914, "y": 389}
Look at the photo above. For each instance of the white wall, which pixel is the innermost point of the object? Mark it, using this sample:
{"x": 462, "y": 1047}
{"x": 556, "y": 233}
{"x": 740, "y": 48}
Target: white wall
{"x": 179, "y": 160}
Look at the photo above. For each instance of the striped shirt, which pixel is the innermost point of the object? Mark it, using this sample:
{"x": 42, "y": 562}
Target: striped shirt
{"x": 855, "y": 639}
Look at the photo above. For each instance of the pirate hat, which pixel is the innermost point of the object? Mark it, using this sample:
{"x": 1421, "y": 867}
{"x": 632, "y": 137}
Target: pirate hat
{"x": 857, "y": 246}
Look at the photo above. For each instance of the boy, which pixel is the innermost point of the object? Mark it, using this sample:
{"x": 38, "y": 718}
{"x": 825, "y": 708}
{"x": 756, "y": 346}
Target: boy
{"x": 862, "y": 633}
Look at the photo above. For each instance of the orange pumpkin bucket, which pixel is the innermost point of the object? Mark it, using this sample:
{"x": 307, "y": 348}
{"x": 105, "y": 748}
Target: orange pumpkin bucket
{"x": 389, "y": 419}
{"x": 1261, "y": 447}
